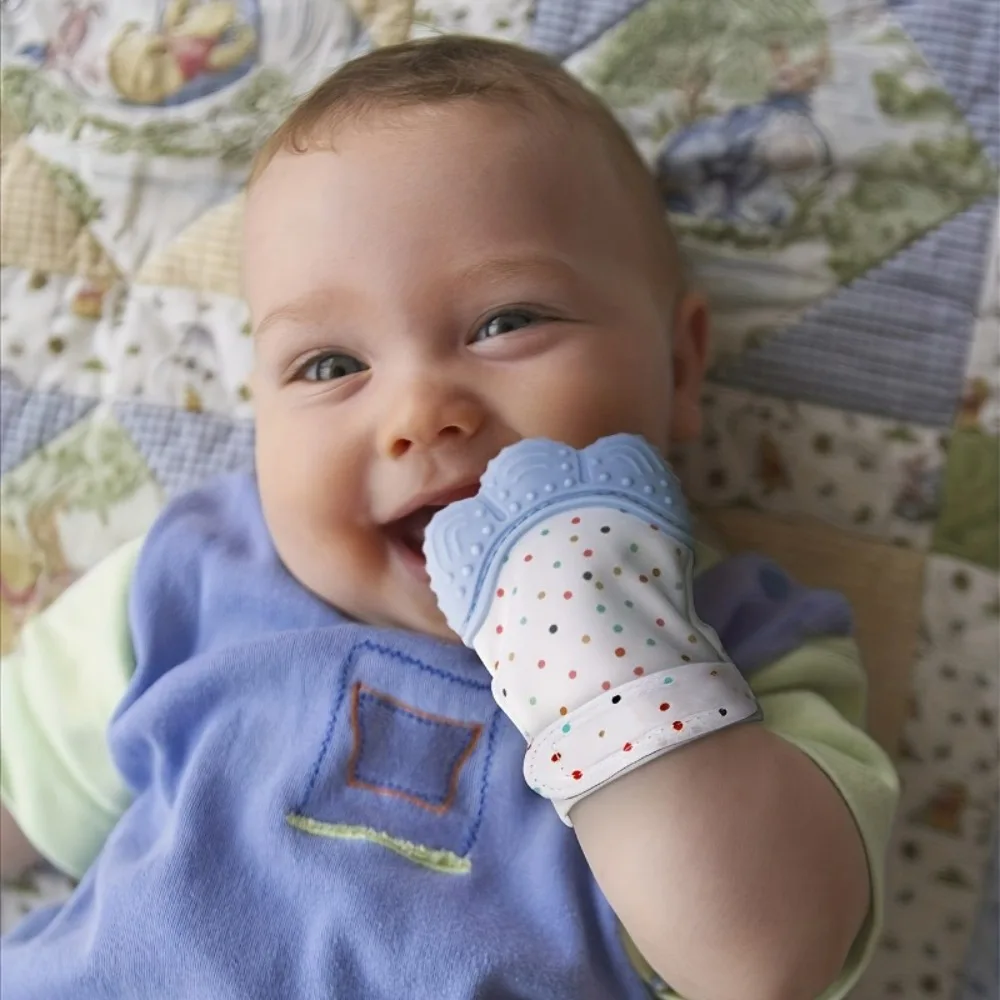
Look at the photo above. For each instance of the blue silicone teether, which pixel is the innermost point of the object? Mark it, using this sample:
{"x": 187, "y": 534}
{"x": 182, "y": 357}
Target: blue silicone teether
{"x": 528, "y": 482}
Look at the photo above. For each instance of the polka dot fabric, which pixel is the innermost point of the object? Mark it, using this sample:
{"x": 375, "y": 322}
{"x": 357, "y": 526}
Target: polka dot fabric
{"x": 594, "y": 593}
{"x": 597, "y": 654}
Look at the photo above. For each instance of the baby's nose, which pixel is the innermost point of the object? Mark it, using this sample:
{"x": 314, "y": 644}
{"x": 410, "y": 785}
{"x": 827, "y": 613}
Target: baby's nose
{"x": 426, "y": 415}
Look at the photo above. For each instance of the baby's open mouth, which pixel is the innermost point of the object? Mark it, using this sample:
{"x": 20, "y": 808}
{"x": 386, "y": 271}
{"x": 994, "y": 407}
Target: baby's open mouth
{"x": 408, "y": 531}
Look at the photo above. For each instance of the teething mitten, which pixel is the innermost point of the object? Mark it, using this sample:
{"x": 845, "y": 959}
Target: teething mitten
{"x": 570, "y": 574}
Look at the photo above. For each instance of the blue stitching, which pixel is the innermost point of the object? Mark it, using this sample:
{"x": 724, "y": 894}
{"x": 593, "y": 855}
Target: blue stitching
{"x": 342, "y": 690}
{"x": 487, "y": 763}
{"x": 328, "y": 735}
{"x": 436, "y": 671}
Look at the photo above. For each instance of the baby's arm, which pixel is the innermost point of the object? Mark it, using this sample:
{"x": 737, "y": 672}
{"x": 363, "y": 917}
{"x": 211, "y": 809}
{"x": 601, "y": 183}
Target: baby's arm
{"x": 730, "y": 857}
{"x": 734, "y": 864}
{"x": 61, "y": 794}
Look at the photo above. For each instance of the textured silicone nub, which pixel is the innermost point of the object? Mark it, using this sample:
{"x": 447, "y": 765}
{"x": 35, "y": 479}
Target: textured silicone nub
{"x": 465, "y": 543}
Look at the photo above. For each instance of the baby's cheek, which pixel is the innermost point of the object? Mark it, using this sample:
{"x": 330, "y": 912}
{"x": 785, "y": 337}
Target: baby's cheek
{"x": 592, "y": 394}
{"x": 312, "y": 519}
{"x": 346, "y": 568}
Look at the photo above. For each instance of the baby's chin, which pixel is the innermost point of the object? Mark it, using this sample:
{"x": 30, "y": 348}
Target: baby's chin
{"x": 438, "y": 629}
{"x": 412, "y": 608}
{"x": 407, "y": 599}
{"x": 371, "y": 589}
{"x": 418, "y": 612}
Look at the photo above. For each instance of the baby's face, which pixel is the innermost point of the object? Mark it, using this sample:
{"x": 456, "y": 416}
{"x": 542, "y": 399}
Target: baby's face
{"x": 435, "y": 289}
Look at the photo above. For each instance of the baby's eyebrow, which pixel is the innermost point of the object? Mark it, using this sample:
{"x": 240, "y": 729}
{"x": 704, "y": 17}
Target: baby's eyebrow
{"x": 310, "y": 307}
{"x": 515, "y": 266}
{"x": 316, "y": 305}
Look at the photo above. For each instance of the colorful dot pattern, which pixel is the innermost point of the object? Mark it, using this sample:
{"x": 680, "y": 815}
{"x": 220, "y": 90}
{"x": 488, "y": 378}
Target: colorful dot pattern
{"x": 593, "y": 596}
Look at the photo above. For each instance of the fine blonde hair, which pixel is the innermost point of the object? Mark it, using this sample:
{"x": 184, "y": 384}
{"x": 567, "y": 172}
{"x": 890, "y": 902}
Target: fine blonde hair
{"x": 441, "y": 70}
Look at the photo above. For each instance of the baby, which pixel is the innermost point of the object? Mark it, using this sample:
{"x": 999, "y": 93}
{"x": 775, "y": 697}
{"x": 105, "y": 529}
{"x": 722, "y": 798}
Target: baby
{"x": 256, "y": 738}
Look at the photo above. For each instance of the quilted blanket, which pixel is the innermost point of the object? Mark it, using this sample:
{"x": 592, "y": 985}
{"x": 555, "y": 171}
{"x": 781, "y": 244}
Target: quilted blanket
{"x": 831, "y": 168}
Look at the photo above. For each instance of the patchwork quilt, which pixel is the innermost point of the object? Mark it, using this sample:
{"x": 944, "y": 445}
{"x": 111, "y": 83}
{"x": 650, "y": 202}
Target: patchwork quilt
{"x": 831, "y": 168}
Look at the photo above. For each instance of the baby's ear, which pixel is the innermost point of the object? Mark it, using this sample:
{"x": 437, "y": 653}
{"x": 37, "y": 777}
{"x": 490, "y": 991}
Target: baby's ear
{"x": 690, "y": 359}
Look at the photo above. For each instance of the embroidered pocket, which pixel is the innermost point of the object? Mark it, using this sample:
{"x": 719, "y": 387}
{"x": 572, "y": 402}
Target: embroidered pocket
{"x": 402, "y": 751}
{"x": 404, "y": 761}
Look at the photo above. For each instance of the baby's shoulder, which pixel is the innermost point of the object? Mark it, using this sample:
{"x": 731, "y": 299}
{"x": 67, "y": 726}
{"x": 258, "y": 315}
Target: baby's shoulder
{"x": 209, "y": 570}
{"x": 225, "y": 511}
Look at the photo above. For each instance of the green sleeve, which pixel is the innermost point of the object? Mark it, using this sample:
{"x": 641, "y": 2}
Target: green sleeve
{"x": 58, "y": 690}
{"x": 815, "y": 698}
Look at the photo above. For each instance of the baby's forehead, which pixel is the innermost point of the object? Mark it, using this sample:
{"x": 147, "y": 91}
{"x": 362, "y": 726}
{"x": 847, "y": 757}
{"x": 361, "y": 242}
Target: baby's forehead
{"x": 485, "y": 168}
{"x": 561, "y": 147}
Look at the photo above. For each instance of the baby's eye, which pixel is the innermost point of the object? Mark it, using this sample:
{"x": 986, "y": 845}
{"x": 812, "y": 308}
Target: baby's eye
{"x": 330, "y": 367}
{"x": 505, "y": 322}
